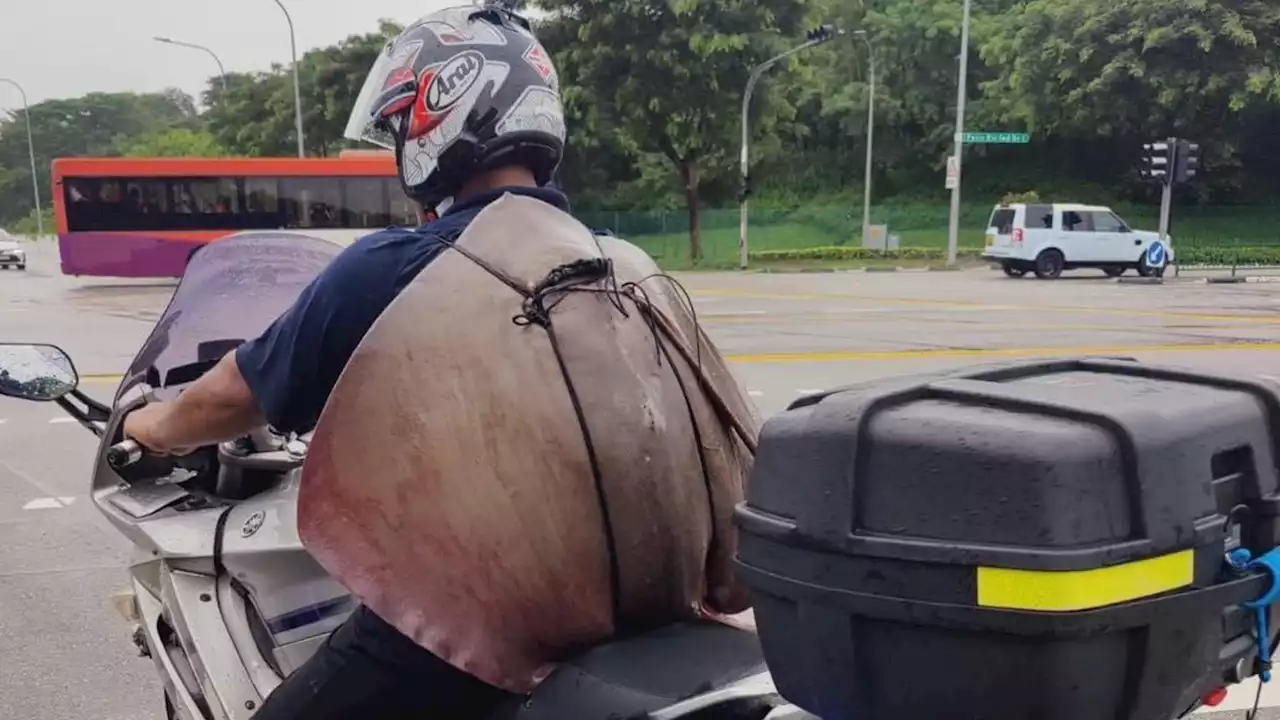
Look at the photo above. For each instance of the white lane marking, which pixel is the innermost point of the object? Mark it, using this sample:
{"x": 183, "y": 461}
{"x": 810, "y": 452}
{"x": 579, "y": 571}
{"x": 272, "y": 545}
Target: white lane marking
{"x": 755, "y": 393}
{"x": 810, "y": 392}
{"x": 3, "y": 421}
{"x": 57, "y": 421}
{"x": 49, "y": 503}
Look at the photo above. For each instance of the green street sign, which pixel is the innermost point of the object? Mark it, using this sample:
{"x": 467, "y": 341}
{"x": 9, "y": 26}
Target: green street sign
{"x": 993, "y": 138}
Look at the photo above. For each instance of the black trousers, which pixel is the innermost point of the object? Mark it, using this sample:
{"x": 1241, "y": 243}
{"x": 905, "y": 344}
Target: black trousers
{"x": 368, "y": 670}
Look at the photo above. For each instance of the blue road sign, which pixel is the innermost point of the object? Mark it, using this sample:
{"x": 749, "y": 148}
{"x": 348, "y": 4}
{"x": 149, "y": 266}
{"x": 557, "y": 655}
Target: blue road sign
{"x": 1155, "y": 255}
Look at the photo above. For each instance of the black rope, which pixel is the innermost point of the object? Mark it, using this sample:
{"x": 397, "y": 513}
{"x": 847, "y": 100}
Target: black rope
{"x": 688, "y": 306}
{"x": 596, "y": 275}
{"x": 640, "y": 297}
{"x": 536, "y": 311}
{"x": 697, "y": 439}
{"x": 602, "y": 498}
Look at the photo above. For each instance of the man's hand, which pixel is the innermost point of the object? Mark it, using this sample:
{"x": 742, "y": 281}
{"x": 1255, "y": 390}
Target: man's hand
{"x": 215, "y": 408}
{"x": 146, "y": 426}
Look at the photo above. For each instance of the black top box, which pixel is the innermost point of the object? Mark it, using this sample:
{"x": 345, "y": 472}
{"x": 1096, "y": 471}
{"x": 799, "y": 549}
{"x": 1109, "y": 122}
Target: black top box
{"x": 1027, "y": 541}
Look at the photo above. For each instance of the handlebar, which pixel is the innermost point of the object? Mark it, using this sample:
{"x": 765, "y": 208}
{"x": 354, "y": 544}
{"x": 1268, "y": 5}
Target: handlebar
{"x": 124, "y": 454}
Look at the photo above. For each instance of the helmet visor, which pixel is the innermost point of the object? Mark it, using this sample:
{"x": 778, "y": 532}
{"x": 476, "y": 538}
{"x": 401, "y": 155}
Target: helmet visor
{"x": 390, "y": 87}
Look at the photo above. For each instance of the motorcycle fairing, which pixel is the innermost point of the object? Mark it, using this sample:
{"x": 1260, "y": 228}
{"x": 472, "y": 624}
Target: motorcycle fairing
{"x": 231, "y": 291}
{"x": 451, "y": 445}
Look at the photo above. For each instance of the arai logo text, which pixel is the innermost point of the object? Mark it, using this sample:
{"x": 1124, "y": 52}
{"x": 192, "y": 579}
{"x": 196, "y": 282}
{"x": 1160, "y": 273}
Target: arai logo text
{"x": 454, "y": 79}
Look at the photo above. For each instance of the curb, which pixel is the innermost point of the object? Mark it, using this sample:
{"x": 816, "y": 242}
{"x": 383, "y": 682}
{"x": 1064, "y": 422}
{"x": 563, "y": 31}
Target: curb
{"x": 1140, "y": 281}
{"x": 796, "y": 271}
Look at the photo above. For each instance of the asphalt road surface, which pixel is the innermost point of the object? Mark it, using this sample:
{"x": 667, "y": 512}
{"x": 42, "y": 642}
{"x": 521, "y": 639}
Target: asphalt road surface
{"x": 65, "y": 654}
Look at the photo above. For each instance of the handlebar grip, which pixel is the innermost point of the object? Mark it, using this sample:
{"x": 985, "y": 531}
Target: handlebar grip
{"x": 123, "y": 454}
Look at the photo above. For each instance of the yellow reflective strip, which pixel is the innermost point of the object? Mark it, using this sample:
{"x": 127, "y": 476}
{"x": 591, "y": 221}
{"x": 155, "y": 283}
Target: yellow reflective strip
{"x": 1064, "y": 591}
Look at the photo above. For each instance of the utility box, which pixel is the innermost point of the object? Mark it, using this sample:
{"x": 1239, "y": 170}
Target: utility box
{"x": 878, "y": 238}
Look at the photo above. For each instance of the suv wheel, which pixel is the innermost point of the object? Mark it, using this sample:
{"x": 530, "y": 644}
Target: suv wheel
{"x": 1114, "y": 271}
{"x": 1049, "y": 264}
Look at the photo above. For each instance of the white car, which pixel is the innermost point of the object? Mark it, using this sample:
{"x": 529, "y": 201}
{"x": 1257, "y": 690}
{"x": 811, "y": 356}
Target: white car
{"x": 11, "y": 252}
{"x": 1049, "y": 238}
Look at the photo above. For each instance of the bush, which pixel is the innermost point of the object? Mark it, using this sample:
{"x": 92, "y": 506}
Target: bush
{"x": 1029, "y": 198}
{"x": 1228, "y": 255}
{"x": 1187, "y": 257}
{"x": 846, "y": 253}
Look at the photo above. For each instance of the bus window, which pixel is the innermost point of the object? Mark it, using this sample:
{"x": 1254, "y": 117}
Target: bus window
{"x": 311, "y": 202}
{"x": 404, "y": 212}
{"x": 366, "y": 204}
{"x": 146, "y": 203}
{"x": 261, "y": 204}
{"x": 81, "y": 202}
{"x": 211, "y": 196}
{"x": 203, "y": 204}
{"x": 108, "y": 207}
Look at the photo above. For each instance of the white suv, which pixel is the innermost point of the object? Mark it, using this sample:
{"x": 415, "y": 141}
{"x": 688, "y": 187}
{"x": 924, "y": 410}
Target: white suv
{"x": 1051, "y": 237}
{"x": 11, "y": 253}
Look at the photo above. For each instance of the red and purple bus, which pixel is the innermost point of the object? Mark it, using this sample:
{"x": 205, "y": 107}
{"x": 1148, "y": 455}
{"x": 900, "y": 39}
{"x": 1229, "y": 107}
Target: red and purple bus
{"x": 134, "y": 217}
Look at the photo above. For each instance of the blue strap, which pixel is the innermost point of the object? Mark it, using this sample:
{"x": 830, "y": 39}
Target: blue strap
{"x": 1268, "y": 563}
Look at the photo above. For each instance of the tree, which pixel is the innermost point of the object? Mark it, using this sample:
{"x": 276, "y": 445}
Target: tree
{"x": 331, "y": 79}
{"x": 670, "y": 75}
{"x": 95, "y": 124}
{"x": 176, "y": 142}
{"x": 652, "y": 86}
{"x": 254, "y": 115}
{"x": 1127, "y": 71}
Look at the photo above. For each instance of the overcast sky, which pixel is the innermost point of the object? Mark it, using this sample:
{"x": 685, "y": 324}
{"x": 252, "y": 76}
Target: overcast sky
{"x": 66, "y": 48}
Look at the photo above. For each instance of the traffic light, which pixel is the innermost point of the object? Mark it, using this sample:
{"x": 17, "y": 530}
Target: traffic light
{"x": 1156, "y": 159}
{"x": 1186, "y": 163}
{"x": 822, "y": 33}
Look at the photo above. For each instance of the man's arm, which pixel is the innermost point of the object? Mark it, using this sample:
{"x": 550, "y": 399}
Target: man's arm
{"x": 217, "y": 407}
{"x": 285, "y": 376}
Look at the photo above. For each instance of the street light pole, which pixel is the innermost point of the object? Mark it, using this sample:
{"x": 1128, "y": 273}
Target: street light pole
{"x": 222, "y": 71}
{"x": 31, "y": 153}
{"x": 297, "y": 86}
{"x": 953, "y": 236}
{"x": 816, "y": 37}
{"x": 871, "y": 143}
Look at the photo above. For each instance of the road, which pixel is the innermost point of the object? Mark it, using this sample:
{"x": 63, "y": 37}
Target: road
{"x": 66, "y": 655}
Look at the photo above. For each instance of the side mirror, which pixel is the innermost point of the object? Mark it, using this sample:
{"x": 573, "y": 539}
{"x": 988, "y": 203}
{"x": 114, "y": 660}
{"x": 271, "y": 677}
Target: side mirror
{"x": 41, "y": 373}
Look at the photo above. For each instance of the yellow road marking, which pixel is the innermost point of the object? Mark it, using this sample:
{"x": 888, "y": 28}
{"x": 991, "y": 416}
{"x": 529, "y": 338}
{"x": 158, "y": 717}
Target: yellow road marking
{"x": 748, "y": 294}
{"x": 102, "y": 378}
{"x": 967, "y": 322}
{"x": 855, "y": 356}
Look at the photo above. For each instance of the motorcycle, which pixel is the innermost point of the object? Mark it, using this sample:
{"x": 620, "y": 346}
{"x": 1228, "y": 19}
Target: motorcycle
{"x": 224, "y": 599}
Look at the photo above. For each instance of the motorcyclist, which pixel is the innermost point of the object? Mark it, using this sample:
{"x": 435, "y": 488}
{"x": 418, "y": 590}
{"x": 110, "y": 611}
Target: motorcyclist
{"x": 469, "y": 101}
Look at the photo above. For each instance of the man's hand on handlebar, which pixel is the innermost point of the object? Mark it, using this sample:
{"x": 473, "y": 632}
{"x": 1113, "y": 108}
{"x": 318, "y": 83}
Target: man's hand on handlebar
{"x": 145, "y": 425}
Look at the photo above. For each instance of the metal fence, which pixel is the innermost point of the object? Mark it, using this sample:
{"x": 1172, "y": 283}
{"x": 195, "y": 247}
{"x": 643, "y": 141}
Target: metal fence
{"x": 1243, "y": 234}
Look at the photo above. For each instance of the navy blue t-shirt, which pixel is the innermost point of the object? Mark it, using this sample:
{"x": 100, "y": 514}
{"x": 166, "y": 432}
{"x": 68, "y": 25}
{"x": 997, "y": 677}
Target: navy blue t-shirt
{"x": 293, "y": 367}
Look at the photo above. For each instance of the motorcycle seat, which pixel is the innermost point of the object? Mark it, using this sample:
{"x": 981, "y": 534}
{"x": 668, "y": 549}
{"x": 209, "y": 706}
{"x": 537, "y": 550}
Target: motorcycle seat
{"x": 638, "y": 675}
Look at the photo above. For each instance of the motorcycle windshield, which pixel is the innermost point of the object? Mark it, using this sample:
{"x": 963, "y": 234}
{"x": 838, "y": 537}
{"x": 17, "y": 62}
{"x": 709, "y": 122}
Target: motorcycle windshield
{"x": 232, "y": 290}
